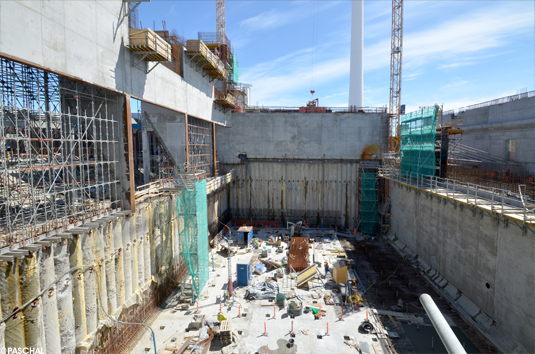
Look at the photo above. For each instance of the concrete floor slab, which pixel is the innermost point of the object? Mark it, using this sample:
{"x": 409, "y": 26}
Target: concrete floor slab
{"x": 310, "y": 333}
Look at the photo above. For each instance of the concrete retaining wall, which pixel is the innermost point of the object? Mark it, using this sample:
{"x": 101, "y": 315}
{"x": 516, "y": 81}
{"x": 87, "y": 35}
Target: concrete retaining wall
{"x": 300, "y": 135}
{"x": 488, "y": 128}
{"x": 317, "y": 191}
{"x": 472, "y": 250}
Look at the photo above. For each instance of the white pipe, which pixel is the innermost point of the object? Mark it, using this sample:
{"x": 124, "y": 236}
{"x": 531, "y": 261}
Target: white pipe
{"x": 452, "y": 344}
{"x": 356, "y": 75}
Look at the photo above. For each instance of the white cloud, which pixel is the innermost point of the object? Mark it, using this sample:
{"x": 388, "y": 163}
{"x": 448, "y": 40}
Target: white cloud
{"x": 274, "y": 18}
{"x": 473, "y": 32}
{"x": 455, "y": 84}
{"x": 455, "y": 65}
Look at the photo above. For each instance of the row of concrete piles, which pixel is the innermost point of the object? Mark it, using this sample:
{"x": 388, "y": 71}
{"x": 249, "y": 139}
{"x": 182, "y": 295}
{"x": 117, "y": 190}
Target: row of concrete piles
{"x": 86, "y": 273}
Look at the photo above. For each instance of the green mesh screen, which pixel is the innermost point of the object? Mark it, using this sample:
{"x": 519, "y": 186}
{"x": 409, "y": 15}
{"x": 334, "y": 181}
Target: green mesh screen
{"x": 235, "y": 70}
{"x": 193, "y": 234}
{"x": 418, "y": 141}
{"x": 202, "y": 234}
{"x": 368, "y": 204}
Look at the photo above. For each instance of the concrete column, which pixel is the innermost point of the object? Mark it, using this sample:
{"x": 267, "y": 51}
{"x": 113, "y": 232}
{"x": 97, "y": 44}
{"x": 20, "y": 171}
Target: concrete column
{"x": 78, "y": 297}
{"x": 140, "y": 236}
{"x": 34, "y": 328}
{"x": 64, "y": 288}
{"x": 146, "y": 149}
{"x": 146, "y": 244}
{"x": 10, "y": 289}
{"x": 134, "y": 246}
{"x": 119, "y": 275}
{"x": 88, "y": 243}
{"x": 127, "y": 256}
{"x": 109, "y": 266}
{"x": 2, "y": 335}
{"x": 48, "y": 301}
{"x": 2, "y": 325}
{"x": 100, "y": 260}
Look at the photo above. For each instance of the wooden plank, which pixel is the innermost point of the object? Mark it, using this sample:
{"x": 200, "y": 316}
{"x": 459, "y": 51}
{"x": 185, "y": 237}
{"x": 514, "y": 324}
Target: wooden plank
{"x": 307, "y": 275}
{"x": 184, "y": 346}
{"x": 146, "y": 40}
{"x": 375, "y": 348}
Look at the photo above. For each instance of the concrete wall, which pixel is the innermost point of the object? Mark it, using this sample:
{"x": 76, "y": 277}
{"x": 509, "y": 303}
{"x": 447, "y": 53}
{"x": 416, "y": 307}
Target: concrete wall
{"x": 300, "y": 135}
{"x": 218, "y": 210}
{"x": 317, "y": 191}
{"x": 170, "y": 128}
{"x": 87, "y": 40}
{"x": 489, "y": 127}
{"x": 471, "y": 249}
{"x": 120, "y": 257}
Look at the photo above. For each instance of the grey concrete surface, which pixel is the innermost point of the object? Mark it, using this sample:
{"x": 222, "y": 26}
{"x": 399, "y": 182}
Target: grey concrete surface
{"x": 87, "y": 40}
{"x": 172, "y": 323}
{"x": 169, "y": 127}
{"x": 488, "y": 128}
{"x": 300, "y": 135}
{"x": 471, "y": 249}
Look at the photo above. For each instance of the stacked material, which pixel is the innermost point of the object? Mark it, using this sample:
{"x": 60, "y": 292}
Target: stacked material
{"x": 225, "y": 333}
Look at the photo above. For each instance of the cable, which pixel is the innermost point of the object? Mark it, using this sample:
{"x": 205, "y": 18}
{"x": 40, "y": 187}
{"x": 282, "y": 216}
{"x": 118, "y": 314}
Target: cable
{"x": 121, "y": 322}
{"x": 19, "y": 309}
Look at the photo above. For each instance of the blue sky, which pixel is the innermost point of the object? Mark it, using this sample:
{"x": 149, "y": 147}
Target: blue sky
{"x": 455, "y": 53}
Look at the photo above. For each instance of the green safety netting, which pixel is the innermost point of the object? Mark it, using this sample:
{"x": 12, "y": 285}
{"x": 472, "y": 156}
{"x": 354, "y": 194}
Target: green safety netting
{"x": 418, "y": 141}
{"x": 193, "y": 234}
{"x": 235, "y": 70}
{"x": 368, "y": 204}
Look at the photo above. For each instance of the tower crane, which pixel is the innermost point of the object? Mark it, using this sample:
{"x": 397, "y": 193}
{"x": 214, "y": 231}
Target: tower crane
{"x": 220, "y": 21}
{"x": 395, "y": 74}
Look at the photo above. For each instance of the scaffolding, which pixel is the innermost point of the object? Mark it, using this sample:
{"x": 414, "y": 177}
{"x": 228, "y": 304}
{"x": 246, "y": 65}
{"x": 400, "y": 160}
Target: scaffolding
{"x": 418, "y": 130}
{"x": 201, "y": 147}
{"x": 58, "y": 151}
{"x": 368, "y": 203}
{"x": 208, "y": 61}
{"x": 193, "y": 233}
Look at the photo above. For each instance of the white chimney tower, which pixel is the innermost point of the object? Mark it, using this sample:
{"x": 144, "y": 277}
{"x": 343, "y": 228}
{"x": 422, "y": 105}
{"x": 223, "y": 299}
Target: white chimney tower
{"x": 356, "y": 74}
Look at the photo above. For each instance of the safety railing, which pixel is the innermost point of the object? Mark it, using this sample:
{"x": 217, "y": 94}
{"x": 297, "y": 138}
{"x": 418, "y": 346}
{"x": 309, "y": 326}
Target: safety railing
{"x": 219, "y": 181}
{"x": 282, "y": 109}
{"x": 498, "y": 200}
{"x": 500, "y": 100}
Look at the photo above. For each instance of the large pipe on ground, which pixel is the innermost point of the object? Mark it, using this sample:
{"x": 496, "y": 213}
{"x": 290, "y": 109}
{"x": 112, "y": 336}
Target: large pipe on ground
{"x": 452, "y": 344}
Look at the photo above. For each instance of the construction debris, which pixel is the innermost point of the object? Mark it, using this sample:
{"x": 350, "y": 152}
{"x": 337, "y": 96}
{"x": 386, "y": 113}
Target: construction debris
{"x": 263, "y": 290}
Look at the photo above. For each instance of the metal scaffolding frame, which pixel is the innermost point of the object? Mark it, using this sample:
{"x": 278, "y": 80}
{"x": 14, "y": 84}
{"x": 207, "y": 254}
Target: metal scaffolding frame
{"x": 58, "y": 140}
{"x": 200, "y": 147}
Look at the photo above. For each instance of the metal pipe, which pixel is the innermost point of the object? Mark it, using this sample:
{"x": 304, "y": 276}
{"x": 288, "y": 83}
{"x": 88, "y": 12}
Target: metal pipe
{"x": 448, "y": 338}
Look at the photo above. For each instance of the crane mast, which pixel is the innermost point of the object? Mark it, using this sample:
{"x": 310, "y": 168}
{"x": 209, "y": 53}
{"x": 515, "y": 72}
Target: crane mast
{"x": 395, "y": 73}
{"x": 220, "y": 19}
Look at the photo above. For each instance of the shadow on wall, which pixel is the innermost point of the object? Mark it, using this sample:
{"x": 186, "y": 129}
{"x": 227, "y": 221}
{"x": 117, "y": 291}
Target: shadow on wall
{"x": 128, "y": 78}
{"x": 371, "y": 152}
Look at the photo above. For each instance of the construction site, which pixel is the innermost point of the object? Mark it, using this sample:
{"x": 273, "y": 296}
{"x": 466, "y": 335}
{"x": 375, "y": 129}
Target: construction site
{"x": 147, "y": 206}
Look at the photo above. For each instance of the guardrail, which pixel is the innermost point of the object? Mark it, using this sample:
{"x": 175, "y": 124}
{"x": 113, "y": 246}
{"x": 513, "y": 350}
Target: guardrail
{"x": 501, "y": 100}
{"x": 281, "y": 109}
{"x": 499, "y": 200}
{"x": 218, "y": 182}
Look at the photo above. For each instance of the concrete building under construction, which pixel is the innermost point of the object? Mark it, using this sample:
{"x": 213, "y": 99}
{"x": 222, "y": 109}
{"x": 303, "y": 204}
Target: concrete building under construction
{"x": 120, "y": 232}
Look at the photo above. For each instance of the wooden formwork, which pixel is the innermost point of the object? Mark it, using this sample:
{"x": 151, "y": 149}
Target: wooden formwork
{"x": 147, "y": 41}
{"x": 298, "y": 258}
